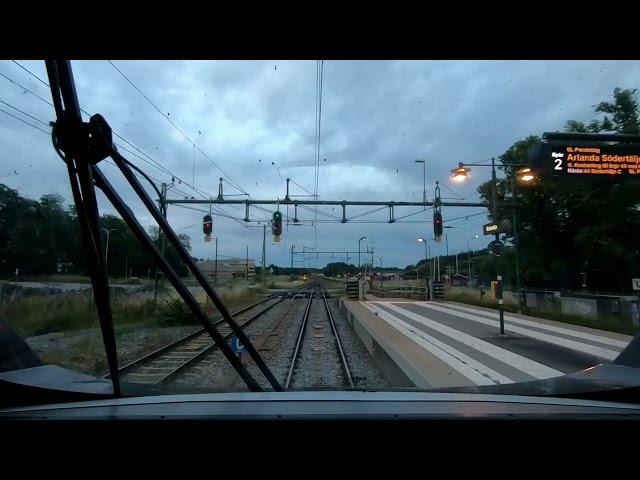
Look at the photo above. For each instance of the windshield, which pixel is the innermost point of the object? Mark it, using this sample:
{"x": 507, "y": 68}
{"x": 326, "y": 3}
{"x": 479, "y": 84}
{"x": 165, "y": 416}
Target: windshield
{"x": 376, "y": 225}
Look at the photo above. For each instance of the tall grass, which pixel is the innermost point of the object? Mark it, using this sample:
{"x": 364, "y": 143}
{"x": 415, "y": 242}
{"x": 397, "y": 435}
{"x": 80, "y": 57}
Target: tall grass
{"x": 233, "y": 296}
{"x": 37, "y": 315}
{"x": 40, "y": 314}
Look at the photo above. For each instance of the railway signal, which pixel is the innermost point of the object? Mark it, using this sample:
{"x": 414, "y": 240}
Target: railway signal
{"x": 437, "y": 226}
{"x": 276, "y": 226}
{"x": 207, "y": 224}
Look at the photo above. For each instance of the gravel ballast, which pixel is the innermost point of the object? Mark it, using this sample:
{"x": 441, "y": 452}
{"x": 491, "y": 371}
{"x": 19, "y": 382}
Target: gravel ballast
{"x": 275, "y": 335}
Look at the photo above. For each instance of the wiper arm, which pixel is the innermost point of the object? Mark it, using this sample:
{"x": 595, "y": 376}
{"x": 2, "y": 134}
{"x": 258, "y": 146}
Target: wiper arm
{"x": 78, "y": 156}
{"x": 86, "y": 144}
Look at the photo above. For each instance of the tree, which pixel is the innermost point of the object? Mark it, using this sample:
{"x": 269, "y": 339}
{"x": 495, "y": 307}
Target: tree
{"x": 565, "y": 229}
{"x": 339, "y": 268}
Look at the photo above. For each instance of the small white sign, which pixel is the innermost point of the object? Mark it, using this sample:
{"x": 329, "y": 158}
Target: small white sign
{"x": 635, "y": 282}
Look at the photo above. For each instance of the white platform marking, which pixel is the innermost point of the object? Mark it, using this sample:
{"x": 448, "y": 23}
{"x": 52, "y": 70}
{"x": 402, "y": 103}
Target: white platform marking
{"x": 475, "y": 371}
{"x": 524, "y": 364}
{"x": 552, "y": 328}
{"x": 563, "y": 342}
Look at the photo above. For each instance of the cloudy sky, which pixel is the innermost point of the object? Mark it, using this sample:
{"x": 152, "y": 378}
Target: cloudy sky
{"x": 256, "y": 121}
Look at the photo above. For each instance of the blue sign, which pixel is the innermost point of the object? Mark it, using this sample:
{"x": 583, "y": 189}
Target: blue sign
{"x": 236, "y": 345}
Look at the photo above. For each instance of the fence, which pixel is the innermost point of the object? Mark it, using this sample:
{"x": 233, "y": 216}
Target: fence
{"x": 412, "y": 293}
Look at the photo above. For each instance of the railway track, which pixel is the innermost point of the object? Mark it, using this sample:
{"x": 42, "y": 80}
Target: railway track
{"x": 307, "y": 342}
{"x": 163, "y": 364}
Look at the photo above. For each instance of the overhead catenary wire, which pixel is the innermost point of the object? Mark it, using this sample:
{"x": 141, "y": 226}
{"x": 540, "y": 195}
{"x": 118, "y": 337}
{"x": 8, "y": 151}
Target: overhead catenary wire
{"x": 297, "y": 184}
{"x": 24, "y": 121}
{"x": 140, "y": 173}
{"x": 144, "y": 175}
{"x": 155, "y": 163}
{"x": 202, "y": 193}
{"x": 226, "y": 175}
{"x": 319, "y": 78}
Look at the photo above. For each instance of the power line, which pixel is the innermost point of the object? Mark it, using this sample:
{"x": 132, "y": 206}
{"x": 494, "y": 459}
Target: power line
{"x": 465, "y": 216}
{"x": 24, "y": 121}
{"x": 296, "y": 183}
{"x": 25, "y": 113}
{"x": 26, "y": 89}
{"x": 229, "y": 178}
{"x": 156, "y": 163}
{"x": 32, "y": 74}
{"x": 458, "y": 197}
{"x": 319, "y": 77}
{"x": 49, "y": 133}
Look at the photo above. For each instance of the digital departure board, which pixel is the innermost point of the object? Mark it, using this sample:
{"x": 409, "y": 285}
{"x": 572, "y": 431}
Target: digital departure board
{"x": 570, "y": 160}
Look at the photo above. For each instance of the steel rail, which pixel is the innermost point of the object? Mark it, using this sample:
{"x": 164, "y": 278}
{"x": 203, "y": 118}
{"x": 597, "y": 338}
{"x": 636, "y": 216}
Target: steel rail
{"x": 303, "y": 328}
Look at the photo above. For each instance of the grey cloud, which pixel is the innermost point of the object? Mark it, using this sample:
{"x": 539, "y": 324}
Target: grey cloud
{"x": 377, "y": 117}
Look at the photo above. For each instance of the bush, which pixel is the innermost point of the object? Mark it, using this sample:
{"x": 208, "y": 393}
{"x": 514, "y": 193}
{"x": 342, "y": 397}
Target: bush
{"x": 176, "y": 312}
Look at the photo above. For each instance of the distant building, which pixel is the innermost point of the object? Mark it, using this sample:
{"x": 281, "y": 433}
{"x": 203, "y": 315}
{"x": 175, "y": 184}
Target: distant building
{"x": 394, "y": 276}
{"x": 229, "y": 268}
{"x": 458, "y": 280}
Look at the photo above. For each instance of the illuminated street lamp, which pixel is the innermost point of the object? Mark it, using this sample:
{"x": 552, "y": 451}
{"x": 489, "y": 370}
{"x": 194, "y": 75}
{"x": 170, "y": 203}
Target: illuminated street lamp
{"x": 525, "y": 175}
{"x": 460, "y": 174}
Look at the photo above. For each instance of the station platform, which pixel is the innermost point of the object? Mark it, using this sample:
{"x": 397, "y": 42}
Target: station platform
{"x": 439, "y": 344}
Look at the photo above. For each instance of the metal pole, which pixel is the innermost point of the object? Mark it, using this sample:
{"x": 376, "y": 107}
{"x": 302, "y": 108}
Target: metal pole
{"x": 264, "y": 238}
{"x": 500, "y": 301}
{"x": 424, "y": 182}
{"x": 246, "y": 267}
{"x": 292, "y": 259}
{"x": 446, "y": 239}
{"x": 426, "y": 277}
{"x": 372, "y": 257}
{"x": 215, "y": 271}
{"x": 359, "y": 240}
{"x": 494, "y": 208}
{"x": 106, "y": 253}
{"x": 163, "y": 210}
{"x": 515, "y": 244}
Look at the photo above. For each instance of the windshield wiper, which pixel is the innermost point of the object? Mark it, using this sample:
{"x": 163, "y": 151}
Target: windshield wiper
{"x": 82, "y": 146}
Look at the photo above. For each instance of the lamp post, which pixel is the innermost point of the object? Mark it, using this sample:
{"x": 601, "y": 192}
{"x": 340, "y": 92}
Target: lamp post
{"x": 359, "y": 240}
{"x": 426, "y": 262}
{"x": 469, "y": 254}
{"x": 106, "y": 254}
{"x": 424, "y": 179}
{"x": 525, "y": 175}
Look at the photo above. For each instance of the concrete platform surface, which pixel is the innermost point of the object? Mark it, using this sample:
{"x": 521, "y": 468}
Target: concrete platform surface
{"x": 441, "y": 344}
